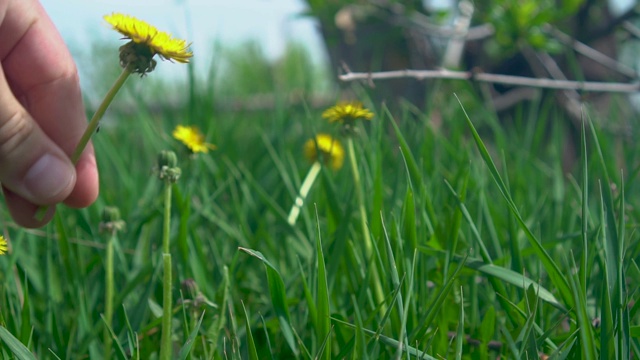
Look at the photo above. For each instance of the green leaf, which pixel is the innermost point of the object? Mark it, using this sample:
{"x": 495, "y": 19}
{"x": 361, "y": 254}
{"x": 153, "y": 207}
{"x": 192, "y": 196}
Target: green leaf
{"x": 278, "y": 298}
{"x": 426, "y": 321}
{"x": 556, "y": 276}
{"x": 120, "y": 351}
{"x": 390, "y": 342}
{"x": 311, "y": 305}
{"x": 132, "y": 337}
{"x": 525, "y": 337}
{"x": 409, "y": 223}
{"x": 25, "y": 326}
{"x": 323, "y": 319}
{"x": 512, "y": 277}
{"x": 253, "y": 352}
{"x": 415, "y": 173}
{"x": 185, "y": 350}
{"x": 488, "y": 325}
{"x": 460, "y": 332}
{"x": 587, "y": 340}
{"x": 17, "y": 348}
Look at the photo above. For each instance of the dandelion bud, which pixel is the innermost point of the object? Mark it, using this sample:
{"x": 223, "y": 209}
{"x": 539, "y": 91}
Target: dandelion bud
{"x": 167, "y": 166}
{"x": 167, "y": 158}
{"x": 110, "y": 213}
{"x": 190, "y": 288}
{"x": 111, "y": 221}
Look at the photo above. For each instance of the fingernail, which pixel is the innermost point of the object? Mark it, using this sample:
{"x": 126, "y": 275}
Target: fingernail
{"x": 48, "y": 177}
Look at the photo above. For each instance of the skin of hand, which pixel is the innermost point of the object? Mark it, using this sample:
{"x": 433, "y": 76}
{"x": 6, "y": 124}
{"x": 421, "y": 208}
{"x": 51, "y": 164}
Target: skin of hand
{"x": 42, "y": 117}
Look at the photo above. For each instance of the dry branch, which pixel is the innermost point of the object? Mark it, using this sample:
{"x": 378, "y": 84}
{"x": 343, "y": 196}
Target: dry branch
{"x": 585, "y": 86}
{"x": 592, "y": 53}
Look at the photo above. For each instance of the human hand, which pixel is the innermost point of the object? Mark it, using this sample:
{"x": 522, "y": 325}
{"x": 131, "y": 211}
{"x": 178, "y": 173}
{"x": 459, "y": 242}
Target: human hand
{"x": 41, "y": 117}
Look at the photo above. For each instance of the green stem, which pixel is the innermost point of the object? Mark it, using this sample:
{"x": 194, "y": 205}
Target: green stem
{"x": 97, "y": 116}
{"x": 166, "y": 348}
{"x": 368, "y": 244}
{"x": 166, "y": 227}
{"x": 91, "y": 128}
{"x": 304, "y": 191}
{"x": 109, "y": 293}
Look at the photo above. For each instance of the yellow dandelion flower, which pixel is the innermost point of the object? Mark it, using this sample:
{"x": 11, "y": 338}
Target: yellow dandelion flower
{"x": 192, "y": 138}
{"x": 330, "y": 150}
{"x": 159, "y": 42}
{"x": 347, "y": 113}
{"x": 146, "y": 41}
{"x": 3, "y": 245}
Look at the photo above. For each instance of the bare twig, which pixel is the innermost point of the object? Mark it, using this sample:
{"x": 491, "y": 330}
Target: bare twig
{"x": 631, "y": 29}
{"x": 587, "y": 86}
{"x": 542, "y": 64}
{"x": 592, "y": 53}
{"x": 501, "y": 102}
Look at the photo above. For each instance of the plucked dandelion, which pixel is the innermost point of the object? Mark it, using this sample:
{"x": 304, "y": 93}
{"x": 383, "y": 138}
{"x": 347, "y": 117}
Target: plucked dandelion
{"x": 192, "y": 138}
{"x": 146, "y": 42}
{"x": 4, "y": 247}
{"x": 320, "y": 149}
{"x": 135, "y": 57}
{"x": 325, "y": 149}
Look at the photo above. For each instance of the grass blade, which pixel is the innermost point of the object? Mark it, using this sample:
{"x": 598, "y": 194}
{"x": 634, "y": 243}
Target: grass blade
{"x": 415, "y": 173}
{"x": 513, "y": 278}
{"x": 17, "y": 348}
{"x": 425, "y": 322}
{"x": 185, "y": 350}
{"x": 390, "y": 342}
{"x": 323, "y": 318}
{"x": 278, "y": 298}
{"x": 460, "y": 332}
{"x": 587, "y": 340}
{"x": 253, "y": 353}
{"x": 556, "y": 276}
{"x": 120, "y": 351}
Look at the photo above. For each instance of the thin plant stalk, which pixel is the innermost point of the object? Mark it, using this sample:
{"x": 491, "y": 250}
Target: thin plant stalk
{"x": 97, "y": 116}
{"x": 93, "y": 126}
{"x": 166, "y": 348}
{"x": 304, "y": 191}
{"x": 109, "y": 293}
{"x": 366, "y": 235}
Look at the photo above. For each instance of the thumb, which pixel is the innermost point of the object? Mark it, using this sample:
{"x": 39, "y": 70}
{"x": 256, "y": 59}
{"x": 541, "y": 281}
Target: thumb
{"x": 32, "y": 166}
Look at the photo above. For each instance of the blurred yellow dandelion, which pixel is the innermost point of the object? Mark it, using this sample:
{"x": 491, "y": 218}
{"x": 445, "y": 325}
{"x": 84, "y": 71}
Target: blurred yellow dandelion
{"x": 325, "y": 148}
{"x": 347, "y": 112}
{"x": 3, "y": 245}
{"x": 158, "y": 42}
{"x": 192, "y": 138}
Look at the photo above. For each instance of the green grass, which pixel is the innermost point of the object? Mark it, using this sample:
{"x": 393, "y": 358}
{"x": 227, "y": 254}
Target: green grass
{"x": 487, "y": 241}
